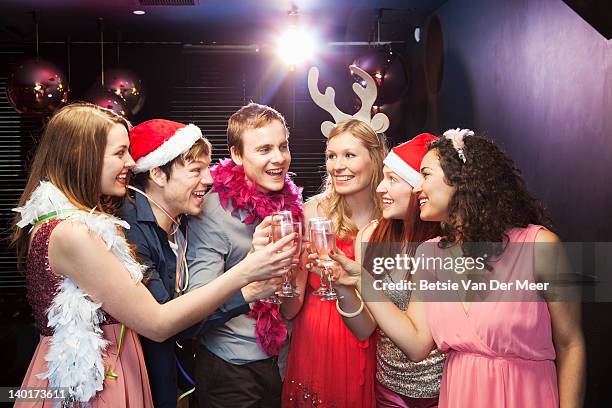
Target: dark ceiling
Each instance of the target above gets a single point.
(208, 21)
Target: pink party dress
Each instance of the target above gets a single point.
(499, 354)
(130, 388)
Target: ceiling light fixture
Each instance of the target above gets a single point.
(296, 45)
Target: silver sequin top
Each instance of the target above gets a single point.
(395, 371)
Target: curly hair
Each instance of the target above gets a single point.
(490, 197)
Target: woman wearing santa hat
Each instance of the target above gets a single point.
(84, 284)
(400, 382)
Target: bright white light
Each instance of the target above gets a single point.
(138, 12)
(295, 46)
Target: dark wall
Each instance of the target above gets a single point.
(537, 79)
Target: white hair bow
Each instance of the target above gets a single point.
(456, 136)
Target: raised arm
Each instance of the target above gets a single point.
(362, 325)
(155, 285)
(408, 330)
(207, 256)
(100, 274)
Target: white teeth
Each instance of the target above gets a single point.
(344, 178)
(423, 201)
(388, 201)
(122, 176)
(199, 193)
(275, 172)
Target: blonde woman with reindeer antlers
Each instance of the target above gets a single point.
(329, 366)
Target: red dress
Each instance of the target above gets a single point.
(328, 366)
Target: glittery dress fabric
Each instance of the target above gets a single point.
(328, 366)
(499, 354)
(130, 388)
(394, 369)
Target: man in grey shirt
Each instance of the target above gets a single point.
(232, 369)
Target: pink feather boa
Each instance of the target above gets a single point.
(230, 183)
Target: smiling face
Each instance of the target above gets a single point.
(395, 194)
(348, 164)
(432, 191)
(117, 162)
(183, 192)
(265, 156)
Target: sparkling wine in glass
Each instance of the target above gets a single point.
(282, 225)
(323, 240)
(323, 287)
(287, 289)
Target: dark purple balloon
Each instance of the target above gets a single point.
(387, 69)
(37, 88)
(107, 100)
(127, 85)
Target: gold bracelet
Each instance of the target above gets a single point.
(349, 315)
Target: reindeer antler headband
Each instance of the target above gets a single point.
(379, 122)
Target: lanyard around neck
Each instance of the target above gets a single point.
(182, 270)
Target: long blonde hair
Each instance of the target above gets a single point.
(70, 155)
(334, 205)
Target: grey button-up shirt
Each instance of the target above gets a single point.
(217, 242)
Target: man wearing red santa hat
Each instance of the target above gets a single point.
(171, 178)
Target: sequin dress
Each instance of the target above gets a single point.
(328, 366)
(130, 388)
(396, 371)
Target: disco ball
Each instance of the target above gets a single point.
(387, 69)
(37, 87)
(105, 99)
(127, 85)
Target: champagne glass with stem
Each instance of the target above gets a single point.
(323, 240)
(282, 225)
(287, 289)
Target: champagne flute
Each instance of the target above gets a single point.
(323, 240)
(282, 225)
(323, 287)
(287, 289)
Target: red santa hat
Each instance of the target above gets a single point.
(405, 159)
(158, 141)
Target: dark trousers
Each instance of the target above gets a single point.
(221, 384)
(161, 367)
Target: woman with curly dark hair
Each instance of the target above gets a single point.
(507, 351)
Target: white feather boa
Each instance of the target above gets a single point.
(75, 357)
